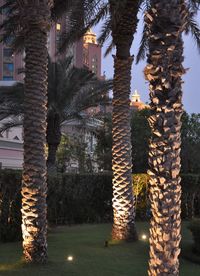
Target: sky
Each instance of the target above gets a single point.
(191, 86)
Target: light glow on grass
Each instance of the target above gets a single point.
(11, 266)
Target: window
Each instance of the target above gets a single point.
(8, 69)
(7, 78)
(9, 40)
(58, 26)
(7, 52)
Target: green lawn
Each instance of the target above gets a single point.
(86, 244)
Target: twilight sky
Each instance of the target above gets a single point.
(191, 90)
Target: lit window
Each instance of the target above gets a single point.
(58, 26)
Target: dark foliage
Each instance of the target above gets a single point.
(82, 198)
(190, 195)
(195, 229)
(79, 198)
(10, 205)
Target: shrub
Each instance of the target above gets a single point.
(76, 198)
(10, 205)
(79, 198)
(190, 195)
(140, 190)
(195, 229)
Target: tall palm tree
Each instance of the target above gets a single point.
(165, 23)
(30, 21)
(70, 91)
(27, 25)
(121, 21)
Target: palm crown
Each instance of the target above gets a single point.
(70, 91)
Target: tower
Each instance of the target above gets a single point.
(136, 103)
(135, 97)
(92, 53)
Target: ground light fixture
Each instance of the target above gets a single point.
(144, 237)
(70, 258)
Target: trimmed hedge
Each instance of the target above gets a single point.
(194, 227)
(10, 205)
(81, 198)
(190, 195)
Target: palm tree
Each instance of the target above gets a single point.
(70, 91)
(165, 23)
(29, 21)
(123, 31)
(121, 21)
(27, 25)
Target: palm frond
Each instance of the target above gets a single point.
(193, 28)
(81, 19)
(194, 4)
(105, 31)
(60, 8)
(109, 48)
(12, 122)
(143, 45)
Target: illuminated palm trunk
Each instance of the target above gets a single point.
(34, 185)
(164, 71)
(123, 199)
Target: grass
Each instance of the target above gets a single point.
(86, 244)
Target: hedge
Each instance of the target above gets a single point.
(81, 198)
(10, 205)
(194, 227)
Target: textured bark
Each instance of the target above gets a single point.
(123, 199)
(166, 21)
(35, 16)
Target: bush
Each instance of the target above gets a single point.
(10, 205)
(190, 195)
(140, 190)
(195, 229)
(79, 198)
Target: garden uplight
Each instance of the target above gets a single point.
(144, 237)
(70, 258)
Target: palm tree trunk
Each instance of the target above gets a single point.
(51, 160)
(164, 71)
(123, 199)
(53, 140)
(34, 186)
